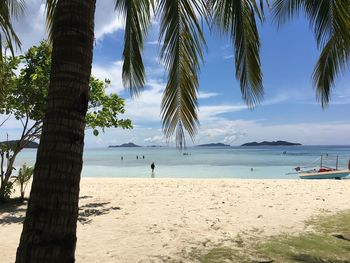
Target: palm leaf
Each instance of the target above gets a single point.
(326, 17)
(16, 7)
(238, 20)
(10, 9)
(137, 14)
(181, 53)
(334, 59)
(50, 15)
(330, 21)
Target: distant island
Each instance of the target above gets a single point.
(130, 144)
(214, 145)
(273, 143)
(30, 145)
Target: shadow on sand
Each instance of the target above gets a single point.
(310, 259)
(87, 211)
(15, 211)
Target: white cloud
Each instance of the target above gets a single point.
(241, 131)
(155, 139)
(111, 71)
(31, 27)
(154, 43)
(229, 139)
(228, 56)
(235, 133)
(207, 95)
(210, 111)
(146, 107)
(107, 21)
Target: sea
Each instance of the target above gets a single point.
(276, 162)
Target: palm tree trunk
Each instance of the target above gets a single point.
(22, 192)
(49, 230)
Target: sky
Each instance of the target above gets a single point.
(289, 111)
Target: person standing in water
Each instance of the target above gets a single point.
(152, 167)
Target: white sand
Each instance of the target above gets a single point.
(169, 217)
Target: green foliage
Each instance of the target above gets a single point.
(25, 173)
(6, 190)
(8, 66)
(24, 98)
(237, 19)
(137, 14)
(27, 97)
(182, 38)
(103, 109)
(181, 54)
(26, 94)
(222, 255)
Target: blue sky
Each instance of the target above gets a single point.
(289, 111)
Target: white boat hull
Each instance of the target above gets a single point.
(325, 175)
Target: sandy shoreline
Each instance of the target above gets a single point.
(147, 220)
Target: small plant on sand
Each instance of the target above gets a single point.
(25, 173)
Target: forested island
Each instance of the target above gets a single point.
(273, 143)
(30, 145)
(130, 144)
(214, 145)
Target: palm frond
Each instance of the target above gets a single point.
(238, 20)
(330, 21)
(50, 16)
(334, 60)
(137, 15)
(325, 17)
(181, 53)
(16, 7)
(10, 9)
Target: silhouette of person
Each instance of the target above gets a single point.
(121, 158)
(152, 167)
(137, 157)
(143, 157)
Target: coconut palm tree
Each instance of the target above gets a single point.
(330, 21)
(49, 230)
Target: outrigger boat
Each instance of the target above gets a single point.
(323, 172)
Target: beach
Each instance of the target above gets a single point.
(159, 220)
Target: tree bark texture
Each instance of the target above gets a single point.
(49, 229)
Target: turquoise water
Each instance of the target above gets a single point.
(226, 162)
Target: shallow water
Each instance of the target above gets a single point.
(209, 162)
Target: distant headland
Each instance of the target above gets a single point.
(30, 145)
(130, 144)
(273, 143)
(214, 145)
